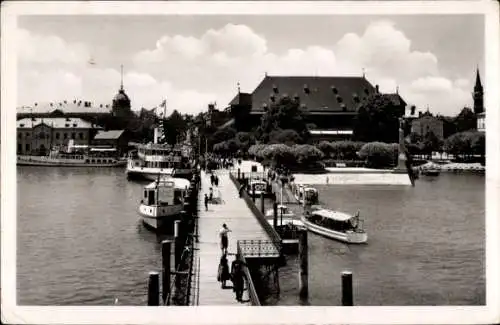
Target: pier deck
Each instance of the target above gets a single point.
(234, 212)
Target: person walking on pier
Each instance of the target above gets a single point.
(237, 277)
(223, 272)
(206, 202)
(224, 238)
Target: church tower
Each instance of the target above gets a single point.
(121, 103)
(478, 95)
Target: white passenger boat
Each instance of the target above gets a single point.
(303, 192)
(89, 157)
(150, 160)
(260, 187)
(335, 225)
(163, 202)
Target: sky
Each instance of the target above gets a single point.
(195, 60)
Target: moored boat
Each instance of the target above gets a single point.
(89, 157)
(304, 193)
(260, 187)
(431, 172)
(335, 225)
(163, 203)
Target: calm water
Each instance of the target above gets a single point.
(80, 242)
(426, 246)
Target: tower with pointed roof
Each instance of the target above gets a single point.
(478, 95)
(121, 103)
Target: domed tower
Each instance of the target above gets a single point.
(121, 102)
(478, 95)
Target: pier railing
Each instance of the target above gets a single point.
(252, 292)
(275, 237)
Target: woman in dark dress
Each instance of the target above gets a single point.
(223, 273)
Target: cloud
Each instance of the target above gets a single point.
(194, 70)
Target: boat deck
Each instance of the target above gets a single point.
(254, 241)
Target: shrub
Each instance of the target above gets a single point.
(377, 154)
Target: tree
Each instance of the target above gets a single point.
(377, 119)
(285, 114)
(306, 154)
(378, 154)
(465, 120)
(431, 143)
(224, 134)
(288, 137)
(174, 128)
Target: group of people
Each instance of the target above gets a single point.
(236, 275)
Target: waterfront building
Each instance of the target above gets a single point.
(85, 110)
(329, 103)
(36, 136)
(427, 123)
(116, 139)
(478, 96)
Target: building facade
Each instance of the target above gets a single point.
(329, 103)
(478, 96)
(116, 139)
(36, 136)
(427, 123)
(85, 110)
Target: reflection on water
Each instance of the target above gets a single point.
(80, 242)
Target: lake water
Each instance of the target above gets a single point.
(80, 242)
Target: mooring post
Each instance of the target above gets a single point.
(347, 298)
(166, 250)
(178, 243)
(154, 289)
(262, 202)
(275, 215)
(304, 266)
(253, 193)
(239, 172)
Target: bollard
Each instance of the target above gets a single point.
(275, 215)
(262, 203)
(166, 247)
(304, 266)
(253, 193)
(243, 177)
(347, 298)
(154, 289)
(239, 174)
(178, 243)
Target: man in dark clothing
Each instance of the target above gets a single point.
(237, 276)
(206, 202)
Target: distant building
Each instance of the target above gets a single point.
(39, 135)
(121, 103)
(329, 103)
(72, 109)
(116, 139)
(478, 96)
(426, 123)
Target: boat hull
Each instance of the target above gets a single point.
(160, 219)
(55, 162)
(145, 173)
(346, 237)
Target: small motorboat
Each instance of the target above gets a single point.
(335, 225)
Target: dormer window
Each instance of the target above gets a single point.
(264, 106)
(74, 101)
(306, 89)
(21, 125)
(68, 119)
(75, 125)
(366, 91)
(36, 104)
(66, 125)
(334, 90)
(275, 89)
(344, 108)
(339, 99)
(296, 97)
(273, 98)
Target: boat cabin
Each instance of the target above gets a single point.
(159, 156)
(259, 185)
(333, 220)
(306, 195)
(165, 192)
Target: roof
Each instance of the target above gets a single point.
(331, 132)
(325, 94)
(68, 107)
(121, 96)
(397, 99)
(56, 123)
(335, 215)
(179, 183)
(106, 135)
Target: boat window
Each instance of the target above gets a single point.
(177, 197)
(145, 194)
(151, 197)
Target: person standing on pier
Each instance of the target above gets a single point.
(224, 238)
(206, 202)
(223, 272)
(237, 277)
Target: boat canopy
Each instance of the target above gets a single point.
(333, 215)
(178, 183)
(103, 149)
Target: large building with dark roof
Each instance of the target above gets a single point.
(329, 103)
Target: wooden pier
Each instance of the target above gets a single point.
(247, 236)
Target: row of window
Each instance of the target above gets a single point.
(42, 135)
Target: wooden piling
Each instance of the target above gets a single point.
(304, 266)
(262, 203)
(347, 298)
(166, 249)
(154, 289)
(253, 193)
(239, 174)
(178, 247)
(275, 214)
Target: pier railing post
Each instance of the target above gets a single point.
(304, 266)
(154, 289)
(239, 172)
(347, 298)
(262, 203)
(253, 193)
(275, 215)
(166, 249)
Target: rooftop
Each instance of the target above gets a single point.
(107, 135)
(74, 106)
(56, 122)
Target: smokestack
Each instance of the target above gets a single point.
(376, 89)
